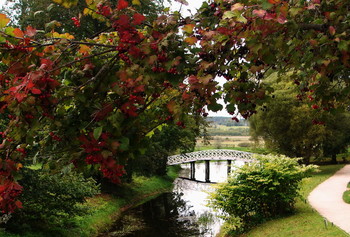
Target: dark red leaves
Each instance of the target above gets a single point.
(314, 106)
(101, 152)
(122, 4)
(129, 109)
(123, 22)
(138, 18)
(36, 91)
(9, 191)
(104, 10)
(102, 113)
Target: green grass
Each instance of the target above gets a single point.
(105, 209)
(306, 222)
(222, 130)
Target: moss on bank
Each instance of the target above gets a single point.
(104, 209)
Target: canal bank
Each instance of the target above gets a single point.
(110, 208)
(105, 209)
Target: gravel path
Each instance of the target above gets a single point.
(327, 199)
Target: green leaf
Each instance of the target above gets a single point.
(215, 107)
(228, 15)
(9, 31)
(266, 5)
(124, 143)
(242, 19)
(231, 108)
(97, 132)
(231, 14)
(143, 150)
(295, 11)
(343, 45)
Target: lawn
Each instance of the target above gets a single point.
(306, 222)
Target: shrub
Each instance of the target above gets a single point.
(244, 144)
(50, 199)
(261, 190)
(346, 196)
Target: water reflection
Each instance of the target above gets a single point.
(182, 213)
(168, 216)
(218, 170)
(195, 195)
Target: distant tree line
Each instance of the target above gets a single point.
(226, 121)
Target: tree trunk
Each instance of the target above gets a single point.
(334, 159)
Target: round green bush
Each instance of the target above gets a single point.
(50, 200)
(260, 190)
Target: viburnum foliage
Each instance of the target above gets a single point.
(97, 100)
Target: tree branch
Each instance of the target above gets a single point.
(98, 73)
(308, 26)
(81, 59)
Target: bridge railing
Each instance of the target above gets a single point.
(222, 154)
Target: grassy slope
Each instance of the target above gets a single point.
(106, 208)
(306, 222)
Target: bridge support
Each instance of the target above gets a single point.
(193, 170)
(229, 162)
(207, 171)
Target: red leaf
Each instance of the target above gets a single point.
(3, 188)
(129, 109)
(46, 64)
(138, 18)
(18, 33)
(53, 84)
(36, 91)
(331, 30)
(140, 88)
(30, 31)
(260, 13)
(269, 16)
(18, 204)
(281, 19)
(122, 4)
(193, 79)
(123, 21)
(20, 97)
(30, 85)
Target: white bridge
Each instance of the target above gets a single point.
(207, 156)
(221, 154)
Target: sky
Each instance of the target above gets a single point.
(193, 5)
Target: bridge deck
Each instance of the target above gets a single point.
(221, 154)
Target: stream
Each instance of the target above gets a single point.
(180, 213)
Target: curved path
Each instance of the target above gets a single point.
(327, 199)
